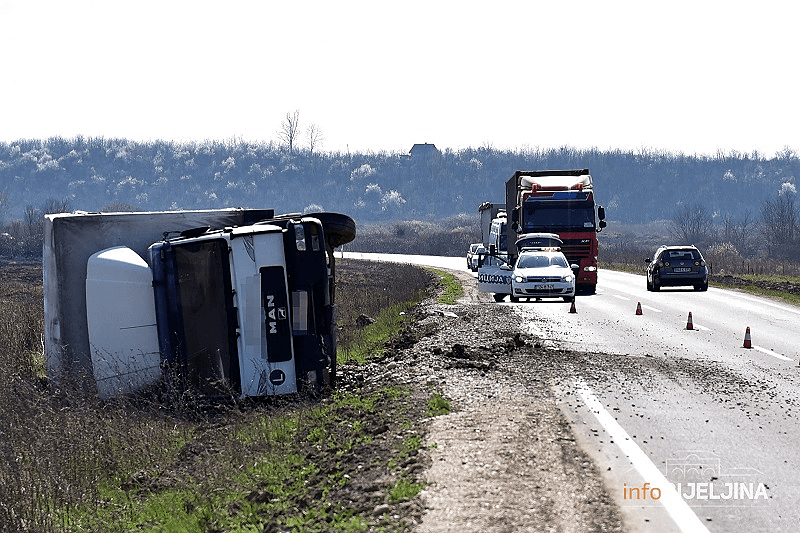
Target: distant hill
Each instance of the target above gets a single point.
(424, 184)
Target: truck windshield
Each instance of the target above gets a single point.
(561, 216)
(203, 272)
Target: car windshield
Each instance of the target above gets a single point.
(680, 255)
(541, 261)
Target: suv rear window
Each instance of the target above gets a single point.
(677, 255)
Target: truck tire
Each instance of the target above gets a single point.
(339, 229)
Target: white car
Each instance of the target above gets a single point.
(472, 256)
(542, 273)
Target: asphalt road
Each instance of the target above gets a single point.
(694, 431)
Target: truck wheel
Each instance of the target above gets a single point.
(339, 229)
(656, 285)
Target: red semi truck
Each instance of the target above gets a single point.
(560, 202)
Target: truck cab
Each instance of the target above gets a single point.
(560, 202)
(242, 311)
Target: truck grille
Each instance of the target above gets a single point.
(576, 248)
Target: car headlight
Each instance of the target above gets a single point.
(519, 279)
(568, 278)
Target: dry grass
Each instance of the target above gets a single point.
(384, 291)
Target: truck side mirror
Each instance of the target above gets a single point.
(602, 224)
(601, 213)
(515, 215)
(492, 249)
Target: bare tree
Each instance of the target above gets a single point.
(739, 232)
(314, 137)
(31, 234)
(290, 129)
(693, 224)
(779, 219)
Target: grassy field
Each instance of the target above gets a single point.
(72, 463)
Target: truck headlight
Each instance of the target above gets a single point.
(589, 268)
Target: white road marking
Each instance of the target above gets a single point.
(773, 354)
(764, 301)
(651, 308)
(621, 297)
(676, 507)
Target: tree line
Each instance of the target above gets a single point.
(93, 174)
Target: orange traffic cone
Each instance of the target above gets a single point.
(747, 341)
(572, 307)
(689, 324)
(639, 308)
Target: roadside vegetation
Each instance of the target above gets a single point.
(452, 289)
(72, 463)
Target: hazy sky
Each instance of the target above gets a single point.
(693, 76)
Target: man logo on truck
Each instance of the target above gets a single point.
(273, 313)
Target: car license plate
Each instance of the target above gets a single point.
(543, 287)
(681, 269)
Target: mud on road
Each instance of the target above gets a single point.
(505, 458)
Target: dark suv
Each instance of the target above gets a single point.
(675, 266)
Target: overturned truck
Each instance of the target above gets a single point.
(222, 302)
